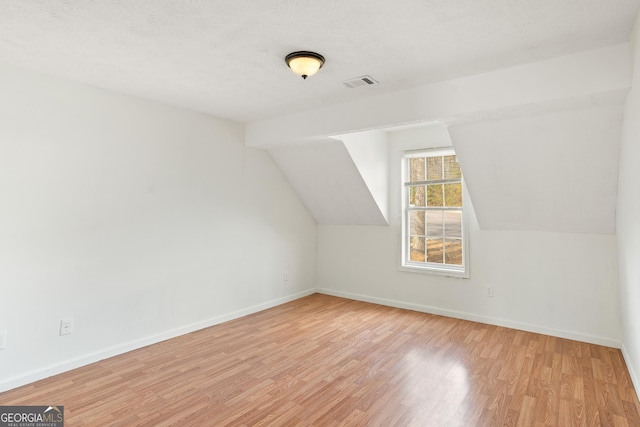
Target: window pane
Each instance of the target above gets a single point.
(416, 249)
(451, 168)
(433, 212)
(434, 250)
(453, 224)
(416, 169)
(417, 223)
(434, 168)
(453, 194)
(453, 252)
(417, 195)
(434, 224)
(434, 195)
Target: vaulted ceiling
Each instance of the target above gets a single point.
(513, 79)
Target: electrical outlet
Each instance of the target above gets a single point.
(488, 291)
(3, 340)
(66, 326)
(285, 276)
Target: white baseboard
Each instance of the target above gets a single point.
(608, 342)
(635, 379)
(14, 382)
(58, 368)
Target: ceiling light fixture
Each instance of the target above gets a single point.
(304, 63)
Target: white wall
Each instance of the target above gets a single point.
(370, 154)
(138, 220)
(628, 217)
(556, 283)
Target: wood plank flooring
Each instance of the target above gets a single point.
(329, 361)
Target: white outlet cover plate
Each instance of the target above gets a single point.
(66, 326)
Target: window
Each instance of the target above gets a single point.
(433, 220)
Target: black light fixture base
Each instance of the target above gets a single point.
(304, 53)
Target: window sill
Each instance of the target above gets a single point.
(438, 271)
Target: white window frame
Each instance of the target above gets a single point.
(426, 267)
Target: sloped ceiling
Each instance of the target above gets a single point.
(570, 81)
(548, 172)
(538, 143)
(325, 177)
(370, 154)
(502, 70)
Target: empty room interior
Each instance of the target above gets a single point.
(321, 213)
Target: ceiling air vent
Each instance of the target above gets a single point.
(360, 81)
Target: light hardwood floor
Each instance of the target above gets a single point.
(329, 361)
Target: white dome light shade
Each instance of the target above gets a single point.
(304, 63)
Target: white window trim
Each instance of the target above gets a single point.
(433, 268)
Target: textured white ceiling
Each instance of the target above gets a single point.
(225, 57)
